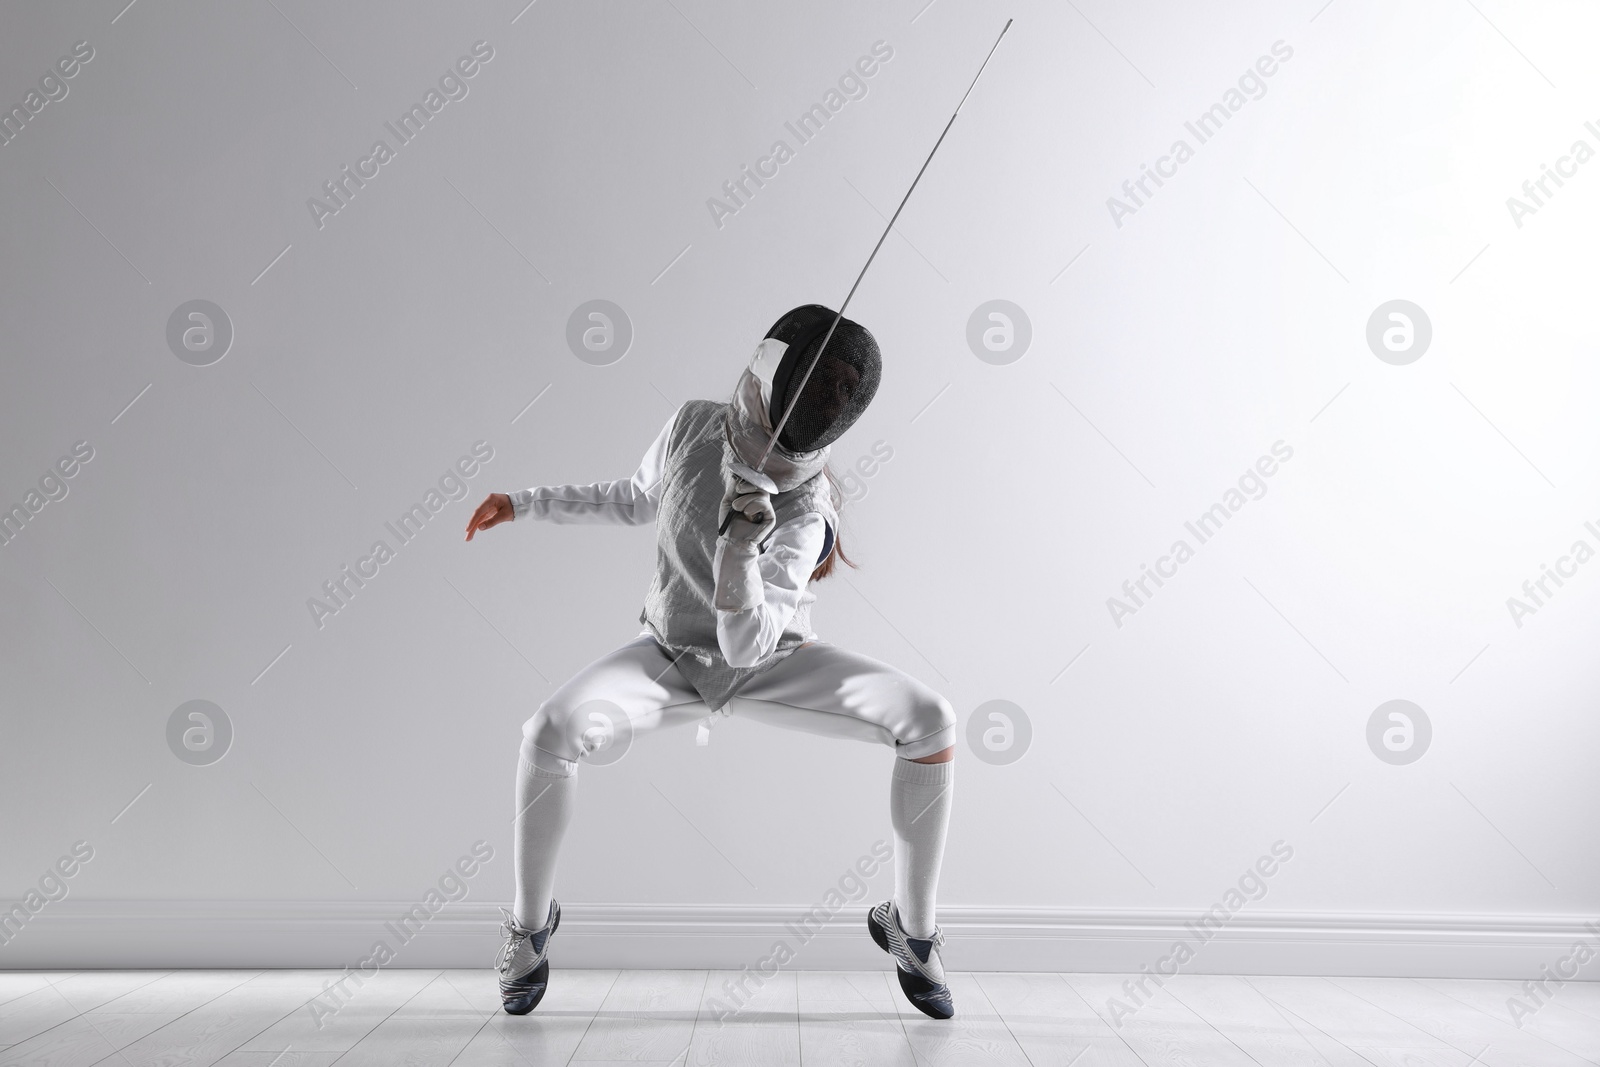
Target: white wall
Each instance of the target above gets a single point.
(1228, 313)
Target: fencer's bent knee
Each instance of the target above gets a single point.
(552, 740)
(551, 729)
(934, 715)
(931, 726)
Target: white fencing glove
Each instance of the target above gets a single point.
(746, 519)
(747, 515)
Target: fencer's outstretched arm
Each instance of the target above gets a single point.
(765, 586)
(629, 503)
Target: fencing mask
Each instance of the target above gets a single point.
(840, 387)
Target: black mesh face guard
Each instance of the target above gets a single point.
(840, 387)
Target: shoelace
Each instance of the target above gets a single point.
(515, 935)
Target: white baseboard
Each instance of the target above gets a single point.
(76, 934)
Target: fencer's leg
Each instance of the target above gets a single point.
(637, 681)
(920, 795)
(546, 797)
(868, 698)
(858, 696)
(919, 806)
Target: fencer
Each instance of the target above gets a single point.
(727, 631)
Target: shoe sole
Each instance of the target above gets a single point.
(541, 974)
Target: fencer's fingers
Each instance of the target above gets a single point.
(480, 518)
(754, 509)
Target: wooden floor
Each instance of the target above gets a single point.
(420, 1017)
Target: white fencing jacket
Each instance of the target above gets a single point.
(683, 471)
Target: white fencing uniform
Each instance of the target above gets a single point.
(694, 661)
(655, 680)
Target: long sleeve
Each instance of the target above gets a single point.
(783, 570)
(629, 503)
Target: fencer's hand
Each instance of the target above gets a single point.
(752, 515)
(746, 519)
(495, 509)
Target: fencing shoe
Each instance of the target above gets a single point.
(916, 961)
(524, 963)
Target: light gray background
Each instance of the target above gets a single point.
(1228, 313)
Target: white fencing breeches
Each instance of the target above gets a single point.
(819, 688)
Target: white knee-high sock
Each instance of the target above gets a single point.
(919, 807)
(544, 809)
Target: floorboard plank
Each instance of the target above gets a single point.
(280, 1059)
(647, 1015)
(1554, 1021)
(176, 992)
(1160, 1030)
(1576, 998)
(1495, 1041)
(208, 1033)
(429, 1030)
(1581, 996)
(1264, 1031)
(82, 1039)
(34, 1013)
(1342, 1015)
(1417, 1057)
(848, 1019)
(753, 1023)
(16, 984)
(550, 1034)
(1051, 1022)
(94, 989)
(332, 1023)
